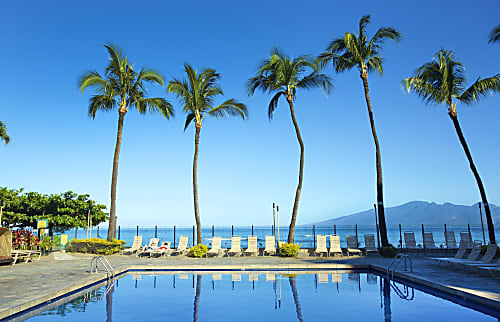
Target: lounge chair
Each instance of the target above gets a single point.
(323, 278)
(321, 246)
(252, 246)
(151, 248)
(136, 246)
(236, 277)
(164, 249)
(352, 246)
(253, 277)
(235, 246)
(20, 255)
(216, 277)
(216, 250)
(270, 247)
(336, 277)
(181, 247)
(488, 256)
(473, 256)
(451, 242)
(462, 249)
(493, 269)
(370, 244)
(270, 277)
(335, 246)
(465, 236)
(410, 242)
(429, 241)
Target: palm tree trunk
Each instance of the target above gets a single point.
(489, 221)
(295, 293)
(380, 191)
(114, 179)
(195, 185)
(197, 294)
(291, 231)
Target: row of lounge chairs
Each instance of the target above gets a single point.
(155, 249)
(428, 240)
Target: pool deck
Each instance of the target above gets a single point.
(26, 285)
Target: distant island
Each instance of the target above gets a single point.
(420, 212)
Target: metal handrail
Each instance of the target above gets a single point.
(396, 261)
(107, 266)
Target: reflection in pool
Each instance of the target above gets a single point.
(257, 296)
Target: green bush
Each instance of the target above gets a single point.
(388, 251)
(289, 250)
(95, 246)
(483, 251)
(46, 243)
(198, 251)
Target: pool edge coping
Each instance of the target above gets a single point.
(97, 278)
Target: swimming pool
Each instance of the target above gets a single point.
(255, 296)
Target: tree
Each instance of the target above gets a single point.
(197, 93)
(495, 35)
(122, 87)
(442, 81)
(358, 51)
(281, 75)
(3, 133)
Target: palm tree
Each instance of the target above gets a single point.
(3, 133)
(358, 51)
(281, 75)
(442, 81)
(197, 93)
(122, 87)
(495, 35)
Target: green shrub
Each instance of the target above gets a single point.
(289, 250)
(388, 251)
(483, 251)
(198, 251)
(95, 246)
(46, 243)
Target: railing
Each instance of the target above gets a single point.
(110, 273)
(396, 261)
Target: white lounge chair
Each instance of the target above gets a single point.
(451, 242)
(370, 244)
(216, 247)
(321, 245)
(181, 247)
(335, 246)
(462, 249)
(236, 277)
(336, 277)
(410, 242)
(270, 247)
(429, 241)
(253, 277)
(252, 246)
(21, 255)
(323, 278)
(473, 256)
(352, 246)
(465, 236)
(488, 256)
(136, 246)
(235, 246)
(151, 248)
(164, 249)
(270, 277)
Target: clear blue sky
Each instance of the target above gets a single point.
(243, 166)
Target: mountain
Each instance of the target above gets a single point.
(420, 212)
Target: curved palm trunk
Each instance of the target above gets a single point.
(295, 293)
(114, 179)
(196, 304)
(195, 185)
(380, 192)
(291, 231)
(489, 221)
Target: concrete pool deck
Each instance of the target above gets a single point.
(26, 285)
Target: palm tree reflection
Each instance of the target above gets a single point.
(197, 298)
(293, 286)
(386, 291)
(109, 305)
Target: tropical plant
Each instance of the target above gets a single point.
(358, 51)
(281, 75)
(198, 251)
(442, 81)
(197, 93)
(122, 87)
(495, 35)
(289, 250)
(3, 133)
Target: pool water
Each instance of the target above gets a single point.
(257, 296)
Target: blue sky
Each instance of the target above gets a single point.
(243, 166)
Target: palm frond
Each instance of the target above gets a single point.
(495, 35)
(481, 88)
(424, 89)
(273, 104)
(92, 79)
(189, 118)
(231, 107)
(102, 103)
(154, 105)
(3, 133)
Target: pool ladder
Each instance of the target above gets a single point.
(110, 273)
(396, 261)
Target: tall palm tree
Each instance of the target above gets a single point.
(495, 35)
(197, 93)
(3, 133)
(442, 81)
(121, 87)
(281, 75)
(358, 51)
